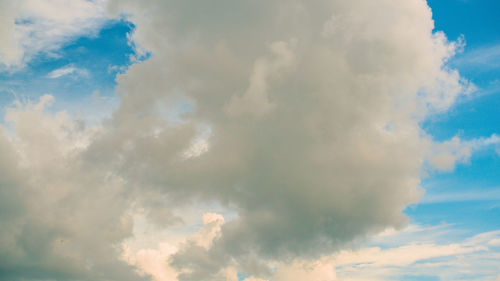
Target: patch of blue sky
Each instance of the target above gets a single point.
(477, 20)
(470, 118)
(418, 278)
(242, 277)
(82, 72)
(471, 217)
(479, 23)
(481, 173)
(469, 197)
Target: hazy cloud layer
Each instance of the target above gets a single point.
(299, 117)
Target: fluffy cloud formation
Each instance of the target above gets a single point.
(301, 118)
(154, 261)
(313, 110)
(61, 218)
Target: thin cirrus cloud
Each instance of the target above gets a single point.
(485, 58)
(67, 70)
(491, 194)
(303, 127)
(475, 256)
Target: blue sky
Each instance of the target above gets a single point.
(93, 61)
(459, 206)
(471, 117)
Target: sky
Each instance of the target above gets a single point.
(249, 141)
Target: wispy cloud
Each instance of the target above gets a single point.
(67, 70)
(485, 58)
(30, 27)
(476, 195)
(472, 258)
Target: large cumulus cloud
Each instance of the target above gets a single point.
(302, 117)
(312, 108)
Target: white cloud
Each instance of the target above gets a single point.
(469, 259)
(67, 70)
(445, 155)
(485, 58)
(47, 136)
(314, 141)
(255, 100)
(50, 146)
(154, 261)
(318, 271)
(52, 225)
(212, 226)
(9, 49)
(463, 260)
(403, 256)
(313, 112)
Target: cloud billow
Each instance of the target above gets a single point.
(313, 110)
(302, 117)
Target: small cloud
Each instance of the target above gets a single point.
(116, 69)
(67, 70)
(446, 155)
